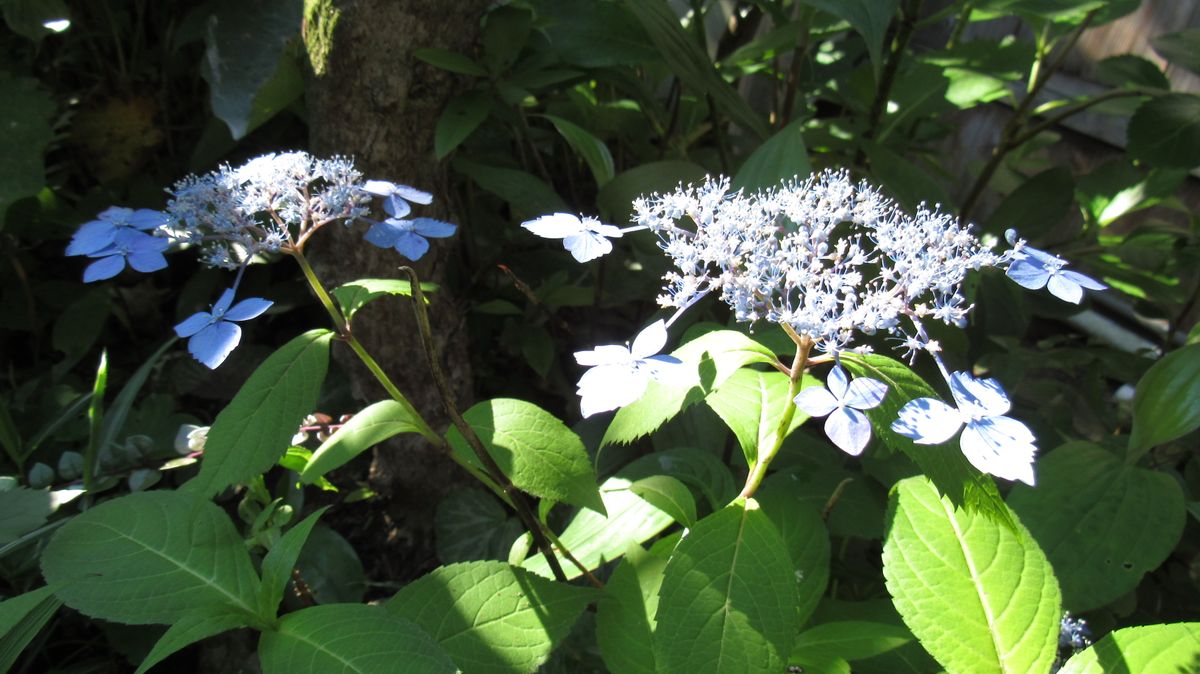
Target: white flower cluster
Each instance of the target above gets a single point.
(236, 213)
(826, 256)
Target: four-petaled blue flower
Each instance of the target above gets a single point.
(846, 426)
(992, 442)
(96, 235)
(213, 335)
(396, 197)
(619, 374)
(409, 237)
(586, 238)
(1034, 269)
(139, 250)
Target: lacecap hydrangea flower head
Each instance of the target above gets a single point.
(828, 259)
(271, 204)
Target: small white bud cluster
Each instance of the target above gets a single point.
(826, 256)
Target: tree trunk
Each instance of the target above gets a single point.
(370, 98)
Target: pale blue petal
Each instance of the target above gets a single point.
(396, 207)
(609, 387)
(435, 229)
(927, 421)
(849, 430)
(382, 234)
(554, 226)
(379, 187)
(193, 324)
(837, 382)
(865, 393)
(92, 237)
(611, 231)
(666, 369)
(606, 354)
(586, 246)
(223, 303)
(1028, 274)
(104, 268)
(214, 343)
(1064, 289)
(650, 340)
(1047, 260)
(816, 401)
(147, 261)
(978, 397)
(414, 195)
(411, 245)
(145, 218)
(251, 307)
(1082, 280)
(1000, 446)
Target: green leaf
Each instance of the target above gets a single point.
(245, 49)
(595, 539)
(25, 116)
(1037, 205)
(1181, 48)
(151, 557)
(525, 193)
(849, 640)
(590, 148)
(1169, 648)
(1102, 524)
(1165, 131)
(452, 61)
(689, 62)
(728, 598)
(349, 638)
(944, 464)
(714, 357)
(595, 34)
(781, 158)
(625, 616)
(505, 32)
(193, 626)
(805, 537)
(668, 495)
(331, 568)
(1128, 70)
(869, 18)
(463, 114)
(114, 420)
(534, 449)
(752, 403)
(1167, 402)
(355, 295)
(979, 595)
(21, 618)
(470, 524)
(492, 617)
(31, 19)
(904, 178)
(373, 425)
(694, 467)
(615, 199)
(257, 426)
(279, 563)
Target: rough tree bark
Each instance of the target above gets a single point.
(370, 98)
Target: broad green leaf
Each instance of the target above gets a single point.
(594, 539)
(33, 19)
(463, 114)
(257, 426)
(615, 199)
(22, 510)
(331, 568)
(452, 61)
(349, 638)
(534, 449)
(1181, 48)
(869, 18)
(196, 625)
(25, 115)
(1173, 648)
(151, 557)
(1102, 523)
(1165, 131)
(944, 464)
(245, 49)
(694, 467)
(526, 193)
(979, 595)
(625, 616)
(278, 564)
(505, 31)
(1037, 206)
(595, 34)
(471, 524)
(781, 158)
(849, 640)
(1128, 70)
(355, 295)
(22, 617)
(593, 150)
(492, 617)
(692, 65)
(373, 425)
(668, 495)
(1167, 402)
(904, 178)
(728, 597)
(805, 538)
(712, 357)
(752, 404)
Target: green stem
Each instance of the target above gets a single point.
(759, 470)
(95, 417)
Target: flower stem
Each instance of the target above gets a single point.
(758, 471)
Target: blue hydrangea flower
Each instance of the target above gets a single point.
(847, 427)
(619, 374)
(586, 238)
(993, 443)
(96, 235)
(1034, 269)
(397, 198)
(213, 336)
(409, 237)
(139, 250)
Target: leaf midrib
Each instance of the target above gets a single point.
(980, 591)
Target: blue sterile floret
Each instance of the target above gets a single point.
(410, 238)
(213, 335)
(843, 402)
